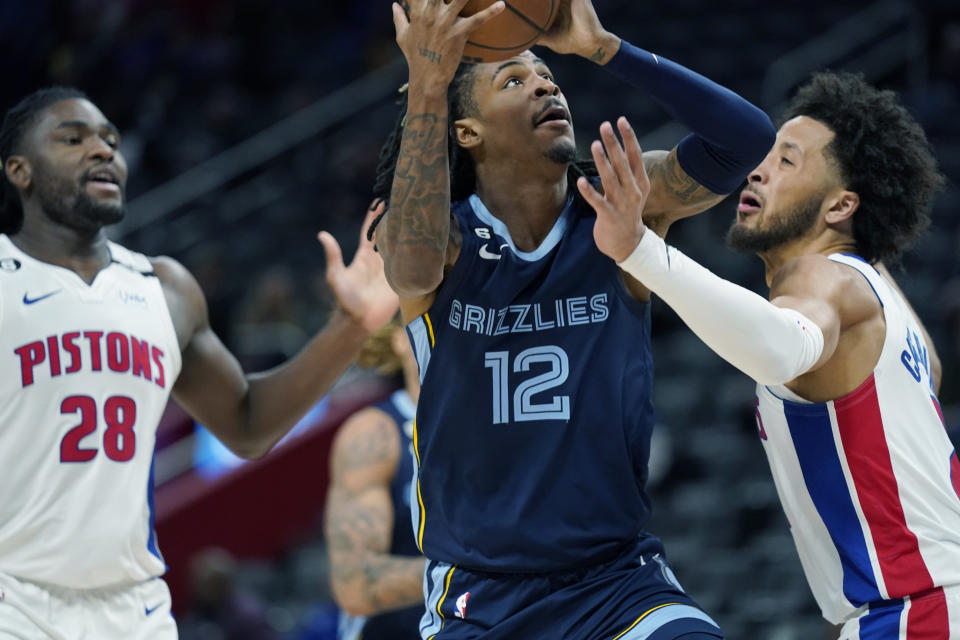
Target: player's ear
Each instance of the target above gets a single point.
(840, 206)
(468, 132)
(19, 172)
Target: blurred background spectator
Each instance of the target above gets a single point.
(249, 126)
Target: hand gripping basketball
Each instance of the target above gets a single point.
(432, 36)
(577, 30)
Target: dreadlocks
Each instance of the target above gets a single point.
(463, 174)
(16, 124)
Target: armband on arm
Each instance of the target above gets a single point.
(771, 344)
(730, 136)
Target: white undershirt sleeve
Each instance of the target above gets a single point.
(771, 344)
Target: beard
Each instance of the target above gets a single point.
(564, 152)
(793, 224)
(69, 204)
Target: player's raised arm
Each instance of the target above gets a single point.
(772, 342)
(730, 135)
(414, 236)
(251, 412)
(365, 577)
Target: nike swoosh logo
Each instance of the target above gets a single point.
(148, 610)
(486, 254)
(28, 300)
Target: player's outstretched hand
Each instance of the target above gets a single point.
(361, 288)
(619, 208)
(577, 29)
(432, 35)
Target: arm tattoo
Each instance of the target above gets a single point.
(667, 175)
(420, 199)
(598, 56)
(360, 453)
(385, 581)
(359, 520)
(432, 56)
(673, 193)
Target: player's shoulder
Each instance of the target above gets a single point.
(173, 275)
(367, 439)
(185, 299)
(816, 275)
(129, 258)
(368, 423)
(819, 270)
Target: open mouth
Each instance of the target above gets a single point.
(105, 179)
(749, 203)
(103, 176)
(556, 116)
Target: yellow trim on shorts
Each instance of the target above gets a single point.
(433, 341)
(446, 588)
(423, 515)
(645, 614)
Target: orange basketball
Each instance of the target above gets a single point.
(516, 28)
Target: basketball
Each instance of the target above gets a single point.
(517, 27)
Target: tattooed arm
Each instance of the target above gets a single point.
(415, 234)
(673, 194)
(366, 579)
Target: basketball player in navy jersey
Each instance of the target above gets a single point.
(847, 376)
(534, 422)
(94, 338)
(376, 569)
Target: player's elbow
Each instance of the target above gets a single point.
(758, 144)
(773, 377)
(413, 279)
(251, 452)
(353, 599)
(754, 135)
(249, 447)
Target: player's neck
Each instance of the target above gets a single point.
(824, 244)
(83, 252)
(529, 203)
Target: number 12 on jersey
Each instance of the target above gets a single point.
(524, 407)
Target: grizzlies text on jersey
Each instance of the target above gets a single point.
(535, 415)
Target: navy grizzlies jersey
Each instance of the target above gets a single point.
(534, 419)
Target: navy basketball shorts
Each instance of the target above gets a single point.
(634, 596)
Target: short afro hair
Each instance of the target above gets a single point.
(881, 153)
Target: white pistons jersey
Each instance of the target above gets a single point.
(87, 370)
(870, 482)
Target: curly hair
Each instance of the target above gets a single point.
(16, 124)
(461, 103)
(881, 153)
